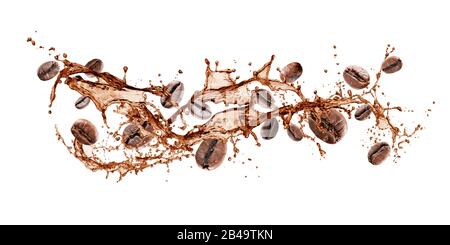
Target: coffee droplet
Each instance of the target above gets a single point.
(378, 153)
(174, 93)
(211, 153)
(295, 132)
(263, 98)
(362, 113)
(48, 70)
(200, 109)
(84, 132)
(95, 65)
(330, 127)
(291, 72)
(392, 64)
(269, 129)
(356, 76)
(82, 102)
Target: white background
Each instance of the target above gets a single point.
(40, 183)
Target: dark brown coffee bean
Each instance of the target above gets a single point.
(378, 153)
(84, 132)
(295, 132)
(269, 129)
(356, 76)
(363, 112)
(147, 126)
(200, 109)
(48, 70)
(331, 127)
(210, 153)
(95, 65)
(174, 91)
(291, 72)
(392, 64)
(82, 102)
(263, 98)
(132, 136)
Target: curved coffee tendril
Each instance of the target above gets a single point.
(164, 145)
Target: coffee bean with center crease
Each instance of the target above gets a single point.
(200, 109)
(84, 132)
(269, 129)
(174, 92)
(211, 153)
(356, 76)
(378, 153)
(392, 64)
(48, 70)
(263, 98)
(362, 112)
(291, 72)
(330, 127)
(82, 102)
(147, 126)
(295, 132)
(132, 136)
(95, 65)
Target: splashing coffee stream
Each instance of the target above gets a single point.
(219, 87)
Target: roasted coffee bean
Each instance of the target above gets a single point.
(378, 153)
(147, 126)
(356, 76)
(132, 136)
(291, 72)
(210, 153)
(363, 112)
(84, 132)
(200, 109)
(269, 129)
(82, 102)
(295, 132)
(331, 127)
(95, 65)
(48, 70)
(392, 64)
(174, 91)
(263, 98)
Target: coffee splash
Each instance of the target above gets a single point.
(154, 140)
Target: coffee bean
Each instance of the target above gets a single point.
(331, 127)
(363, 112)
(174, 91)
(84, 132)
(392, 64)
(269, 129)
(263, 98)
(147, 126)
(378, 153)
(356, 76)
(200, 109)
(291, 72)
(82, 102)
(95, 65)
(132, 136)
(48, 70)
(210, 153)
(295, 132)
